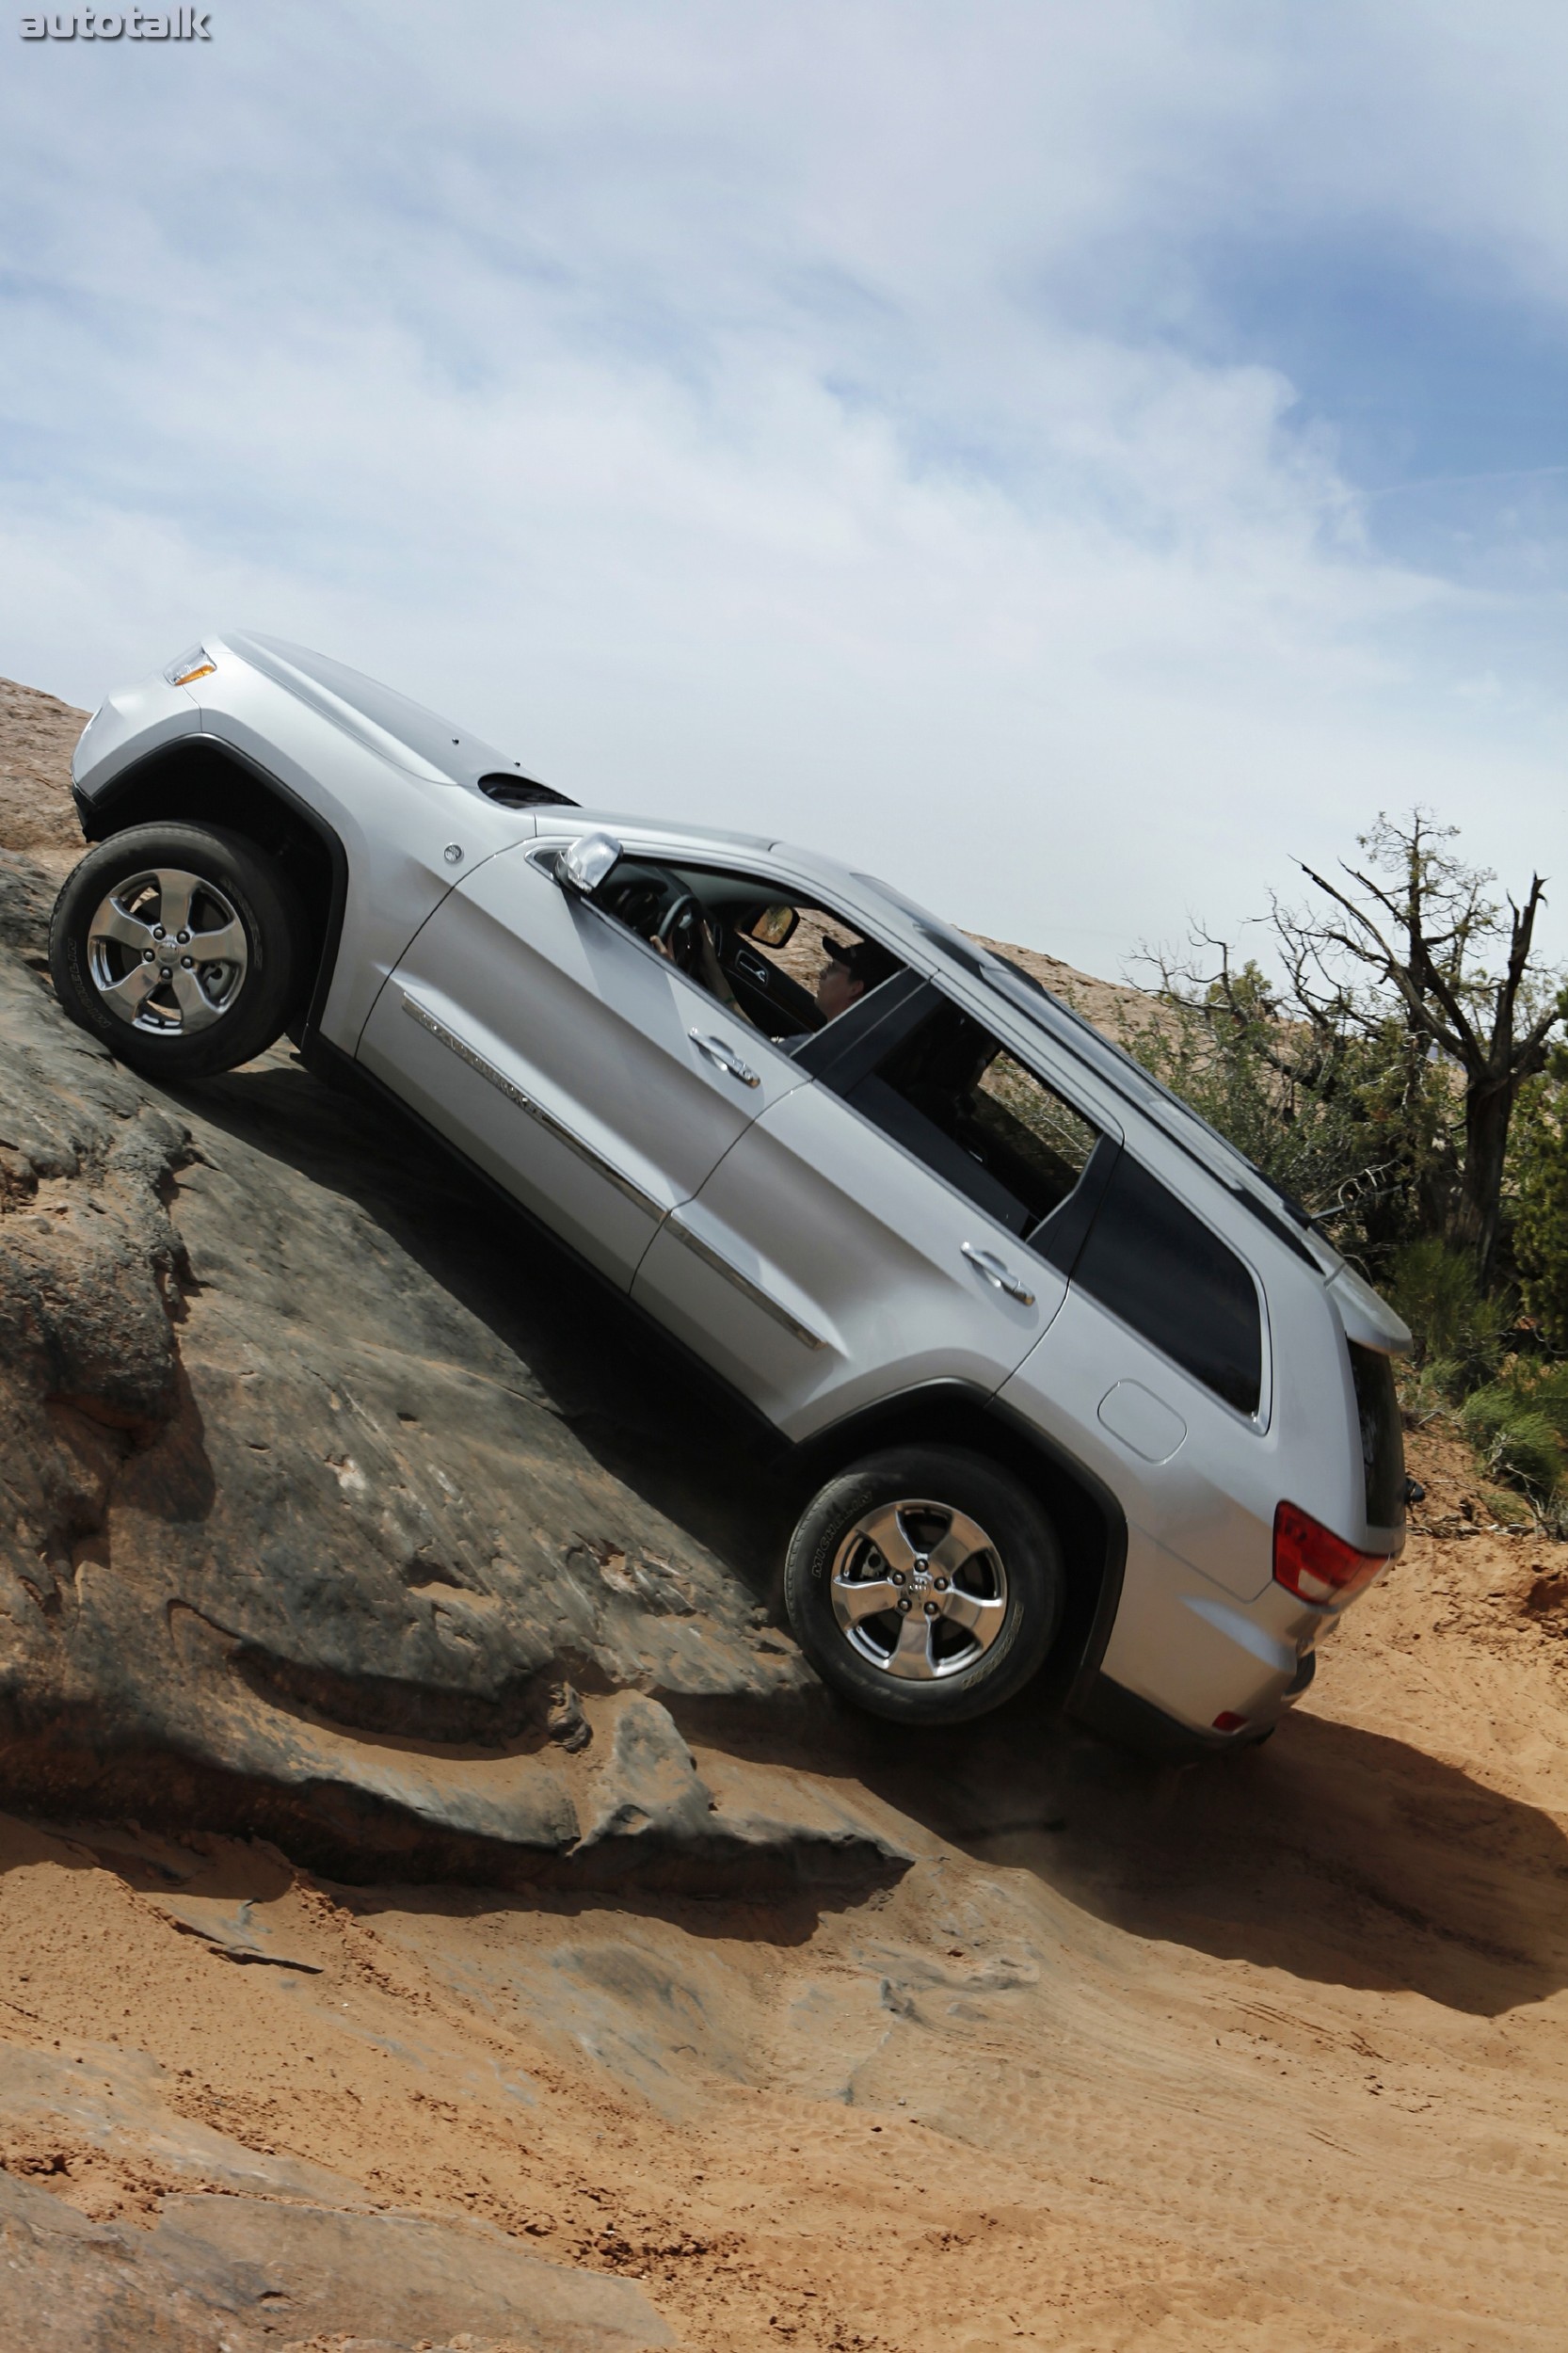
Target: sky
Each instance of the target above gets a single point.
(1074, 461)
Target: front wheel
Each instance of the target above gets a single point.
(924, 1584)
(180, 947)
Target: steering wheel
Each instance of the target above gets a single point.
(681, 931)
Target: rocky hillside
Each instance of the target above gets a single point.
(440, 1909)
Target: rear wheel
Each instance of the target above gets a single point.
(926, 1584)
(179, 946)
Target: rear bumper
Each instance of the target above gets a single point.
(1191, 1654)
(1117, 1714)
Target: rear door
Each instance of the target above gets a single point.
(569, 1059)
(909, 1216)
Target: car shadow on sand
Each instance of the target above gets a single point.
(1332, 1853)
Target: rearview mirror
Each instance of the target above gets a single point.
(586, 862)
(773, 927)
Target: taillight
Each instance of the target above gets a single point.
(1312, 1561)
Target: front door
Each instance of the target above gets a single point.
(571, 1060)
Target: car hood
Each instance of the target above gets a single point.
(417, 741)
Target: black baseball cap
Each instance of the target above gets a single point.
(864, 960)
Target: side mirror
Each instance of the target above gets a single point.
(773, 927)
(586, 862)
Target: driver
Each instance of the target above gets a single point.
(852, 969)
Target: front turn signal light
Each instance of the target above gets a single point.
(190, 666)
(1314, 1564)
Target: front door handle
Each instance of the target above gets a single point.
(726, 1057)
(995, 1272)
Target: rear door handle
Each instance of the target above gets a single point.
(995, 1272)
(726, 1059)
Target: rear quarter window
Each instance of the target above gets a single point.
(1163, 1271)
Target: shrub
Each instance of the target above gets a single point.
(1425, 1389)
(1541, 1211)
(1514, 1440)
(1347, 1118)
(1437, 1291)
(1548, 1394)
(1541, 1389)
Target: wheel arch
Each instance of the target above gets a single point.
(1085, 1513)
(202, 781)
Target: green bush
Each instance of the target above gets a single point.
(1349, 1120)
(1432, 1387)
(1541, 1389)
(1548, 1394)
(1514, 1440)
(1513, 1509)
(1451, 1320)
(1539, 1157)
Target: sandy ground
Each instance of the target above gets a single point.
(1275, 2052)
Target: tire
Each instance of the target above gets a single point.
(987, 1625)
(188, 1017)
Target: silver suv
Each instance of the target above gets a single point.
(1073, 1386)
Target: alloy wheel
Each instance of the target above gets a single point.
(166, 952)
(919, 1589)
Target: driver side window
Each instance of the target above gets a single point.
(788, 967)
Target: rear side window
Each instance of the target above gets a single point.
(1377, 1406)
(951, 1093)
(1161, 1268)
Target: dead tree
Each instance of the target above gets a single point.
(1421, 926)
(1415, 958)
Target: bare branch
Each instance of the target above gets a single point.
(1455, 1036)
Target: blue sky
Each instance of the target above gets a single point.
(1074, 461)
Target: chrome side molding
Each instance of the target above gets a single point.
(547, 1120)
(743, 1283)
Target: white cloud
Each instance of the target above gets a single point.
(678, 394)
